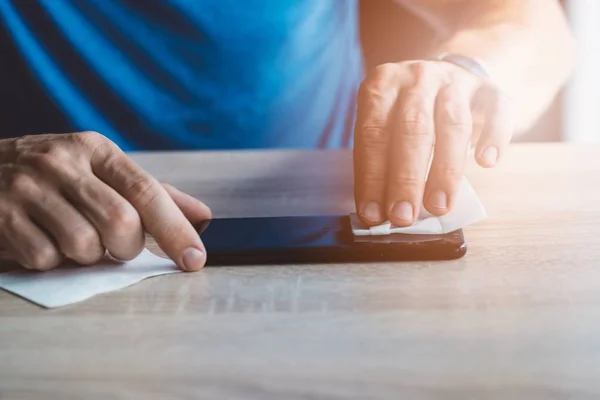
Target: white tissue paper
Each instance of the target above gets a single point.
(72, 283)
(467, 210)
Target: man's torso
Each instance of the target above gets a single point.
(182, 74)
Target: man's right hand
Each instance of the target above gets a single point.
(78, 195)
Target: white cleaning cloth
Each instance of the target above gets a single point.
(72, 283)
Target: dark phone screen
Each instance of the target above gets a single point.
(241, 234)
(316, 238)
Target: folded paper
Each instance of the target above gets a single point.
(467, 210)
(72, 283)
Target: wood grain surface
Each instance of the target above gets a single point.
(517, 318)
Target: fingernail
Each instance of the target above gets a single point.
(438, 199)
(193, 259)
(403, 211)
(371, 211)
(490, 156)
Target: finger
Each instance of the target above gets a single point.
(453, 125)
(25, 241)
(114, 218)
(159, 214)
(75, 236)
(194, 210)
(498, 129)
(117, 221)
(478, 115)
(412, 142)
(376, 100)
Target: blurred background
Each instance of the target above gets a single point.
(575, 114)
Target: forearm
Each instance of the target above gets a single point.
(526, 45)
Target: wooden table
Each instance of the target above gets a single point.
(517, 318)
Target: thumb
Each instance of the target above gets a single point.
(193, 209)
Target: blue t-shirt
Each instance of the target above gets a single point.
(182, 74)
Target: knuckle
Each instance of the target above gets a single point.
(95, 142)
(114, 163)
(373, 136)
(373, 177)
(9, 217)
(123, 220)
(414, 119)
(380, 81)
(38, 253)
(404, 181)
(385, 72)
(417, 96)
(449, 172)
(84, 240)
(53, 160)
(372, 169)
(374, 98)
(413, 114)
(22, 183)
(421, 69)
(44, 257)
(91, 137)
(143, 191)
(141, 188)
(58, 153)
(417, 133)
(455, 113)
(375, 101)
(404, 186)
(377, 94)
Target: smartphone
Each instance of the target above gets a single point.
(316, 239)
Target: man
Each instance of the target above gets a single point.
(188, 74)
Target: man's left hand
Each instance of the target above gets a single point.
(409, 112)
